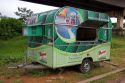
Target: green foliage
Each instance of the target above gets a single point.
(23, 13)
(0, 14)
(9, 28)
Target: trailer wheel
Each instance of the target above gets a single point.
(86, 66)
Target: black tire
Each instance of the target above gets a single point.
(85, 66)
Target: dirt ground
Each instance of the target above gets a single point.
(50, 79)
(54, 78)
(70, 75)
(26, 79)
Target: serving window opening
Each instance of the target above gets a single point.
(86, 34)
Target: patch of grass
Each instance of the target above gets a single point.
(115, 78)
(38, 73)
(118, 57)
(118, 50)
(118, 42)
(18, 81)
(8, 73)
(78, 76)
(12, 51)
(1, 81)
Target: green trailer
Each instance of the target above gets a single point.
(68, 36)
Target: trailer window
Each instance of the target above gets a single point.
(35, 41)
(86, 34)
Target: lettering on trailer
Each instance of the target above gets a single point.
(102, 53)
(42, 55)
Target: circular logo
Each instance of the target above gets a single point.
(66, 22)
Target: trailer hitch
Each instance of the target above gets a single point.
(29, 66)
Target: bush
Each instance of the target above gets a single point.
(10, 27)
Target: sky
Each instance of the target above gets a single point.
(8, 7)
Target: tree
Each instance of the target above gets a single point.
(0, 14)
(23, 13)
(10, 27)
